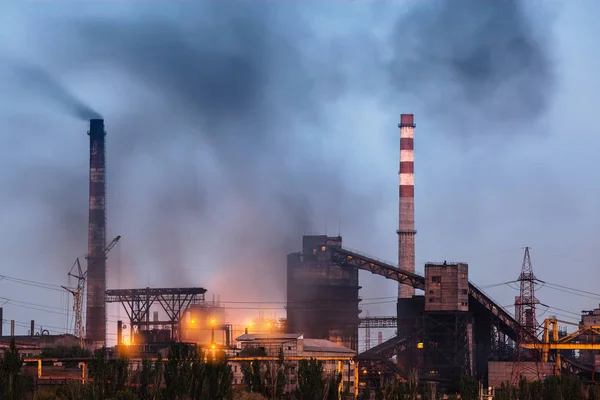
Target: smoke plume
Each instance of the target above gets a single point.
(237, 151)
(480, 57)
(39, 80)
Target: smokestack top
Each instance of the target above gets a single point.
(407, 120)
(96, 127)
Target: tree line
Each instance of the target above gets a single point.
(185, 374)
(551, 388)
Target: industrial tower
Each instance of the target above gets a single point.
(406, 207)
(95, 324)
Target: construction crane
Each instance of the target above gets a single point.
(77, 292)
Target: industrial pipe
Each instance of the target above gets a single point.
(119, 333)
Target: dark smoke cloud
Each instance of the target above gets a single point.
(480, 57)
(39, 80)
(236, 82)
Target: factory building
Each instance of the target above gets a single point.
(205, 325)
(335, 358)
(447, 330)
(590, 318)
(322, 297)
(32, 345)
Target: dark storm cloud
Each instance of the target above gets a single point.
(41, 82)
(240, 81)
(482, 57)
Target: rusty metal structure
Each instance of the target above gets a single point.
(95, 324)
(138, 302)
(319, 287)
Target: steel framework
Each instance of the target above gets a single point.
(378, 322)
(78, 291)
(137, 303)
(446, 345)
(500, 316)
(525, 313)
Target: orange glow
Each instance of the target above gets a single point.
(212, 321)
(193, 321)
(213, 346)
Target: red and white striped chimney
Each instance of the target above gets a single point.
(406, 221)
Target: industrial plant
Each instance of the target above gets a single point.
(445, 326)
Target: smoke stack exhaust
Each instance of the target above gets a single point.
(119, 333)
(95, 324)
(406, 216)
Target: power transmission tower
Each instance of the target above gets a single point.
(525, 314)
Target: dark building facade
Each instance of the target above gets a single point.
(322, 298)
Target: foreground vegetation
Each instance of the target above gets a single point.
(552, 388)
(187, 374)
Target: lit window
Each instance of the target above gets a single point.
(323, 248)
(314, 251)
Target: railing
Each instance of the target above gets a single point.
(391, 264)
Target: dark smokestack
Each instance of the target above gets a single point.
(12, 327)
(32, 331)
(95, 324)
(406, 224)
(119, 332)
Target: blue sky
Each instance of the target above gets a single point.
(213, 179)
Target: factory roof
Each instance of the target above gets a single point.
(324, 345)
(249, 337)
(21, 340)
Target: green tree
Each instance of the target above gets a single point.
(146, 378)
(311, 384)
(211, 378)
(178, 371)
(109, 376)
(65, 352)
(10, 366)
(468, 388)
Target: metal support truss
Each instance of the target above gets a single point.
(446, 345)
(137, 303)
(343, 256)
(381, 362)
(378, 322)
(501, 317)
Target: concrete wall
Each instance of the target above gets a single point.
(502, 371)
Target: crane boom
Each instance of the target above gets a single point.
(78, 291)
